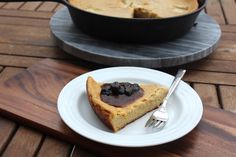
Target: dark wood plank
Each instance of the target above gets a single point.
(58, 7)
(47, 6)
(214, 65)
(228, 98)
(228, 36)
(229, 7)
(23, 13)
(78, 152)
(2, 4)
(53, 147)
(210, 77)
(207, 93)
(9, 72)
(228, 28)
(28, 35)
(24, 143)
(18, 61)
(30, 6)
(7, 127)
(214, 9)
(214, 136)
(29, 50)
(227, 47)
(13, 5)
(225, 51)
(24, 21)
(7, 130)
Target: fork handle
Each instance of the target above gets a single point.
(175, 83)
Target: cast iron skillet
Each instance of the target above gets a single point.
(130, 30)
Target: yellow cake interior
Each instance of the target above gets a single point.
(118, 117)
(137, 8)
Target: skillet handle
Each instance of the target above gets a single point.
(59, 1)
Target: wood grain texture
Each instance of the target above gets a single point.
(54, 148)
(78, 152)
(13, 5)
(214, 136)
(30, 6)
(207, 93)
(33, 51)
(7, 129)
(23, 13)
(228, 98)
(9, 72)
(228, 28)
(199, 42)
(28, 35)
(19, 146)
(229, 7)
(214, 9)
(2, 4)
(225, 51)
(210, 77)
(59, 6)
(214, 65)
(24, 21)
(47, 6)
(19, 61)
(228, 37)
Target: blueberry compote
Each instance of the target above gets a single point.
(120, 94)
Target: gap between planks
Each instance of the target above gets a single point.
(25, 13)
(228, 97)
(13, 5)
(24, 143)
(7, 131)
(214, 9)
(19, 34)
(47, 6)
(229, 7)
(206, 77)
(17, 61)
(30, 6)
(54, 147)
(30, 51)
(24, 21)
(8, 128)
(25, 137)
(2, 4)
(207, 93)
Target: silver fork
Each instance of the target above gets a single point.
(159, 118)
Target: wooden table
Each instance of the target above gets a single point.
(25, 39)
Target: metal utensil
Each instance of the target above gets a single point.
(159, 118)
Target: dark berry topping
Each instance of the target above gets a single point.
(117, 88)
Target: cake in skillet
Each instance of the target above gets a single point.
(120, 103)
(137, 8)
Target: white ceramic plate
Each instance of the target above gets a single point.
(185, 109)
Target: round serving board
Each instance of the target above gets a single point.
(199, 42)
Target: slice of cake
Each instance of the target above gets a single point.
(118, 104)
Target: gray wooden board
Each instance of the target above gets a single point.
(199, 42)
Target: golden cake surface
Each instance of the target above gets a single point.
(137, 8)
(118, 117)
